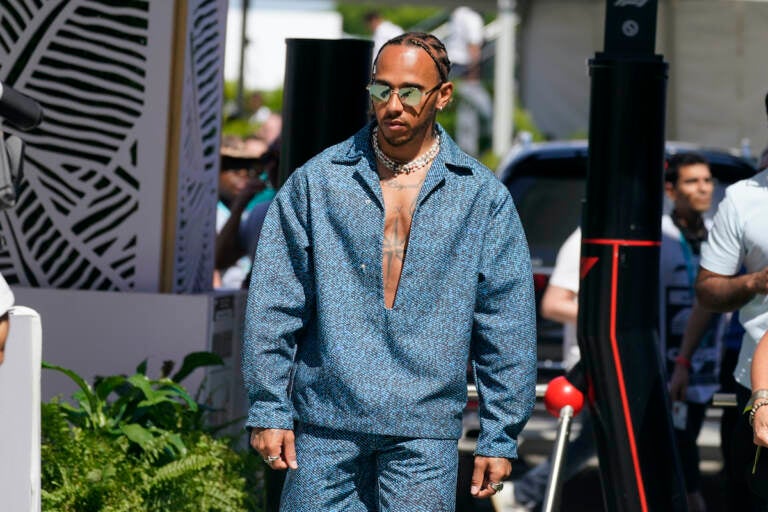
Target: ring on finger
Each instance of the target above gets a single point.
(269, 459)
(496, 486)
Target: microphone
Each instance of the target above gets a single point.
(20, 110)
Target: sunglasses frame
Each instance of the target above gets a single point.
(404, 101)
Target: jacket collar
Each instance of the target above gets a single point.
(357, 151)
(358, 147)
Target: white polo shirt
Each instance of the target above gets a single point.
(739, 236)
(566, 275)
(466, 28)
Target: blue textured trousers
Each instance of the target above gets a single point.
(355, 472)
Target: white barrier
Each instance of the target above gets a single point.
(20, 413)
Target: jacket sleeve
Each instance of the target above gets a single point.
(504, 333)
(278, 308)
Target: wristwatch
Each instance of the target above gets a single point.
(758, 394)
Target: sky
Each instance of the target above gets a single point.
(267, 30)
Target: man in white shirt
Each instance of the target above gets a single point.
(559, 304)
(382, 30)
(739, 237)
(474, 107)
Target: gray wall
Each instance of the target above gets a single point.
(715, 49)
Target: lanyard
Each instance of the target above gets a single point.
(688, 257)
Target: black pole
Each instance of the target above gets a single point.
(324, 102)
(324, 96)
(241, 64)
(619, 293)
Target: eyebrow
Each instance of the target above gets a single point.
(406, 84)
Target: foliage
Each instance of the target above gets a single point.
(135, 443)
(523, 122)
(237, 117)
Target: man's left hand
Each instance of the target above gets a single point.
(488, 470)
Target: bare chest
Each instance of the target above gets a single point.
(400, 195)
(399, 205)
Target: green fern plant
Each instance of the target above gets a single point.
(136, 443)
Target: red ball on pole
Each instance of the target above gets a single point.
(560, 393)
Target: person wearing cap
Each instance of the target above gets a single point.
(239, 191)
(385, 263)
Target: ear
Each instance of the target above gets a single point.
(444, 95)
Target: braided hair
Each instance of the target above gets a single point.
(427, 42)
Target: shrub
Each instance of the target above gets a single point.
(135, 443)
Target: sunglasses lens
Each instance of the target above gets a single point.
(410, 96)
(379, 92)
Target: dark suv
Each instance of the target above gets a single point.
(547, 182)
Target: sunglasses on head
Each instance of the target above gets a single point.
(411, 95)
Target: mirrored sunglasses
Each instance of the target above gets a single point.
(410, 96)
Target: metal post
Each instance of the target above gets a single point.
(241, 64)
(621, 235)
(552, 497)
(314, 118)
(504, 79)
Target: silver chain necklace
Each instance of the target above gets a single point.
(408, 167)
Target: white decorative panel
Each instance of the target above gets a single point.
(91, 208)
(200, 135)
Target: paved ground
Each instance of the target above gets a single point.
(583, 492)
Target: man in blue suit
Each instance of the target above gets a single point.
(384, 264)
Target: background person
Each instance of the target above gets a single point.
(385, 263)
(237, 188)
(239, 235)
(381, 29)
(474, 108)
(739, 237)
(560, 304)
(691, 337)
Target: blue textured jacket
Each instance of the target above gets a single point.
(321, 347)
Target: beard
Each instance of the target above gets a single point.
(415, 132)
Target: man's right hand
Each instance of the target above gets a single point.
(678, 383)
(759, 283)
(274, 442)
(721, 293)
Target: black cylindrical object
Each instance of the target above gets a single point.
(324, 99)
(19, 109)
(619, 293)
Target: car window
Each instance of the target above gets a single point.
(549, 209)
(548, 189)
